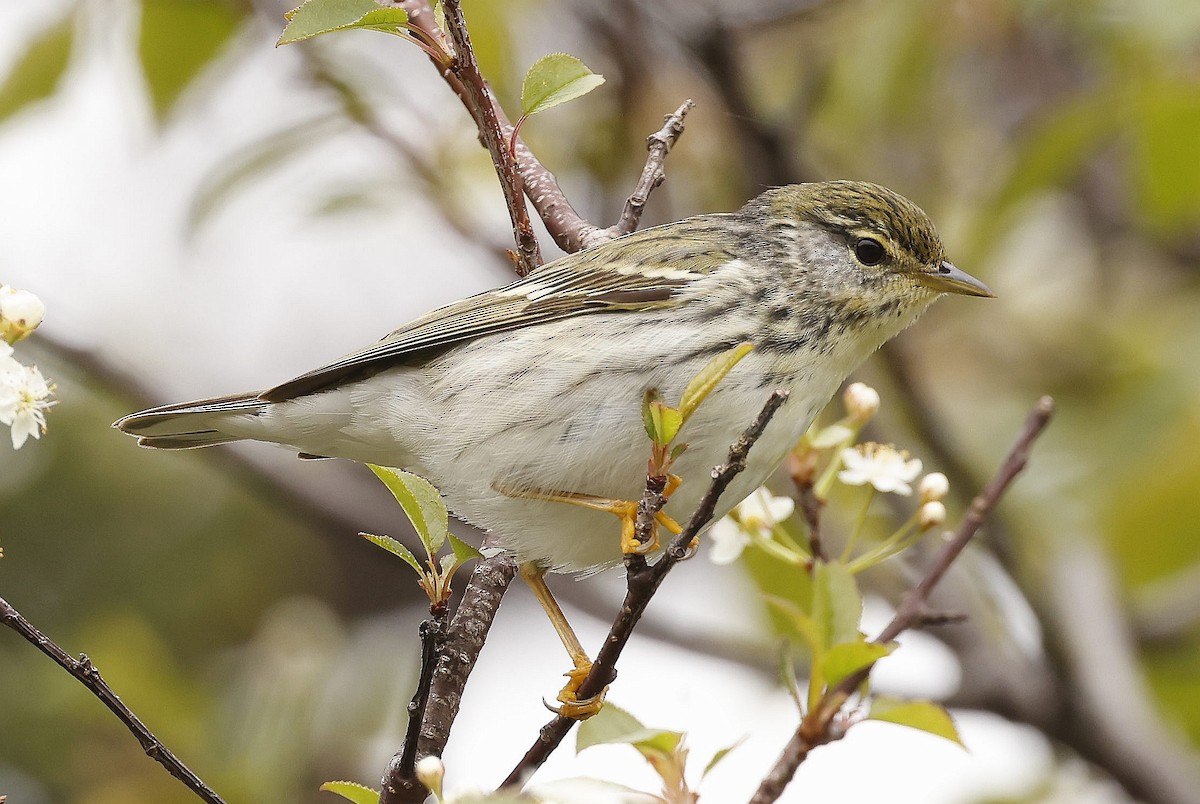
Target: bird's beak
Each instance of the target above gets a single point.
(949, 279)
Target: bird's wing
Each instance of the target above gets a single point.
(609, 277)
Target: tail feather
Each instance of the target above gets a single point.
(189, 424)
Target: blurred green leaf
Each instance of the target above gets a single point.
(848, 658)
(1164, 164)
(801, 624)
(395, 548)
(238, 169)
(316, 17)
(709, 377)
(613, 724)
(422, 504)
(774, 578)
(553, 80)
(37, 71)
(178, 39)
(720, 755)
(837, 605)
(923, 715)
(1050, 153)
(352, 791)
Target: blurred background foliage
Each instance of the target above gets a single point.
(1056, 143)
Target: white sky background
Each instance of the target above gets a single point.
(91, 219)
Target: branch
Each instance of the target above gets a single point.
(816, 728)
(571, 232)
(87, 674)
(658, 144)
(484, 109)
(468, 630)
(643, 581)
(400, 779)
(440, 692)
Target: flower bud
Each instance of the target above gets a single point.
(933, 487)
(861, 401)
(20, 313)
(931, 514)
(430, 772)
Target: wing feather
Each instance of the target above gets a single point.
(610, 277)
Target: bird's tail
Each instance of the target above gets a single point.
(189, 424)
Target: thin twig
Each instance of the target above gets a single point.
(803, 470)
(571, 232)
(658, 145)
(484, 109)
(87, 674)
(400, 778)
(642, 583)
(816, 727)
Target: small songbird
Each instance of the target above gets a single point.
(513, 396)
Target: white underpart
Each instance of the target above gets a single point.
(473, 421)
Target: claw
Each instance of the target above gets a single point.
(571, 706)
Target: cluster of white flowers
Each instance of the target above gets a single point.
(24, 392)
(757, 519)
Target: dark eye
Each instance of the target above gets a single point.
(869, 251)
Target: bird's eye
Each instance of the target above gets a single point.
(869, 251)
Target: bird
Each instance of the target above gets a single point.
(513, 398)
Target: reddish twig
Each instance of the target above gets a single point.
(818, 726)
(643, 581)
(485, 110)
(87, 674)
(568, 228)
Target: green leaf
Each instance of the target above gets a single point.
(610, 725)
(837, 605)
(316, 17)
(801, 624)
(717, 757)
(652, 742)
(649, 399)
(395, 548)
(178, 39)
(848, 658)
(708, 377)
(37, 71)
(618, 726)
(352, 791)
(462, 551)
(422, 504)
(556, 79)
(667, 421)
(923, 715)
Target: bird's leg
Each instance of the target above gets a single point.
(571, 706)
(625, 510)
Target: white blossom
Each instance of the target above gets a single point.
(20, 313)
(861, 400)
(931, 514)
(431, 771)
(24, 398)
(755, 516)
(831, 436)
(934, 486)
(880, 465)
